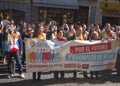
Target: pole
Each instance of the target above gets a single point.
(10, 13)
(89, 13)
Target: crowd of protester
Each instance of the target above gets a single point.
(50, 31)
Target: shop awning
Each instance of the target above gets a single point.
(67, 4)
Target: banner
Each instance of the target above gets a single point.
(72, 55)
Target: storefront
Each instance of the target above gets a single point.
(82, 14)
(4, 14)
(71, 11)
(15, 15)
(16, 10)
(57, 14)
(110, 12)
(58, 10)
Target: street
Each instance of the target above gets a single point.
(106, 78)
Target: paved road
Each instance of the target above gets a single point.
(106, 78)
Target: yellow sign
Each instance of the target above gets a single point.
(110, 5)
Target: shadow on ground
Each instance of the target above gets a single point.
(104, 76)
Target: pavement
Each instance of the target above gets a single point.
(106, 78)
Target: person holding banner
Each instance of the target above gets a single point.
(28, 33)
(79, 33)
(80, 36)
(84, 31)
(117, 31)
(72, 33)
(107, 33)
(41, 36)
(72, 36)
(94, 36)
(60, 37)
(118, 63)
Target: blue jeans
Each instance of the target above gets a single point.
(16, 55)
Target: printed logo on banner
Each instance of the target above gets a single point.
(44, 56)
(39, 56)
(32, 57)
(85, 66)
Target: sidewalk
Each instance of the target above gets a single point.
(106, 78)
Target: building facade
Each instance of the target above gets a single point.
(15, 9)
(58, 10)
(90, 11)
(108, 11)
(70, 11)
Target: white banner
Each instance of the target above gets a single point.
(72, 55)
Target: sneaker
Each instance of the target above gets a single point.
(22, 76)
(10, 76)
